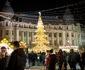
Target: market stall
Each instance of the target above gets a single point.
(5, 43)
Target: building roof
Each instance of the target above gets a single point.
(7, 8)
(68, 17)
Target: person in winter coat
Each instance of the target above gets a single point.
(47, 58)
(33, 58)
(52, 61)
(3, 58)
(72, 59)
(17, 59)
(83, 61)
(65, 60)
(60, 59)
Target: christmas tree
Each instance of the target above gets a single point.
(40, 37)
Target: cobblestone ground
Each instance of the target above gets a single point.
(43, 68)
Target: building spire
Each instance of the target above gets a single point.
(7, 3)
(39, 13)
(7, 8)
(67, 3)
(68, 17)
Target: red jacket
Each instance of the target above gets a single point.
(61, 57)
(46, 60)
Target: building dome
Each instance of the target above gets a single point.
(7, 9)
(68, 17)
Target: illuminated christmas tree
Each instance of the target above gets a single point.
(40, 37)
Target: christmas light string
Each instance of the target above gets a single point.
(49, 21)
(51, 11)
(57, 8)
(46, 20)
(44, 17)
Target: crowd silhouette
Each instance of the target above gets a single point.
(21, 59)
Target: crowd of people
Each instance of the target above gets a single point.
(19, 57)
(62, 59)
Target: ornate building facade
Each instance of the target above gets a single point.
(59, 31)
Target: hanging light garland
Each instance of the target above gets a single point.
(7, 42)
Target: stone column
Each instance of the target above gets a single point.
(53, 38)
(27, 38)
(58, 38)
(70, 40)
(10, 35)
(17, 34)
(80, 40)
(3, 33)
(64, 38)
(32, 36)
(76, 37)
(22, 36)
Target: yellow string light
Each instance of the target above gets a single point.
(22, 44)
(7, 42)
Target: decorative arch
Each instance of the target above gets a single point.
(4, 40)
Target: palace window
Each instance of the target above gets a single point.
(60, 34)
(12, 32)
(60, 27)
(72, 34)
(1, 32)
(50, 34)
(67, 35)
(72, 42)
(6, 23)
(67, 27)
(55, 42)
(55, 35)
(60, 42)
(7, 32)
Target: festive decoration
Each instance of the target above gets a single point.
(7, 42)
(40, 38)
(22, 44)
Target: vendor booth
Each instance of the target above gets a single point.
(5, 43)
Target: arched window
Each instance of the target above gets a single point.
(72, 34)
(67, 35)
(6, 23)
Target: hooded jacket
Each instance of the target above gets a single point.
(17, 60)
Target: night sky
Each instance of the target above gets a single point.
(36, 5)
